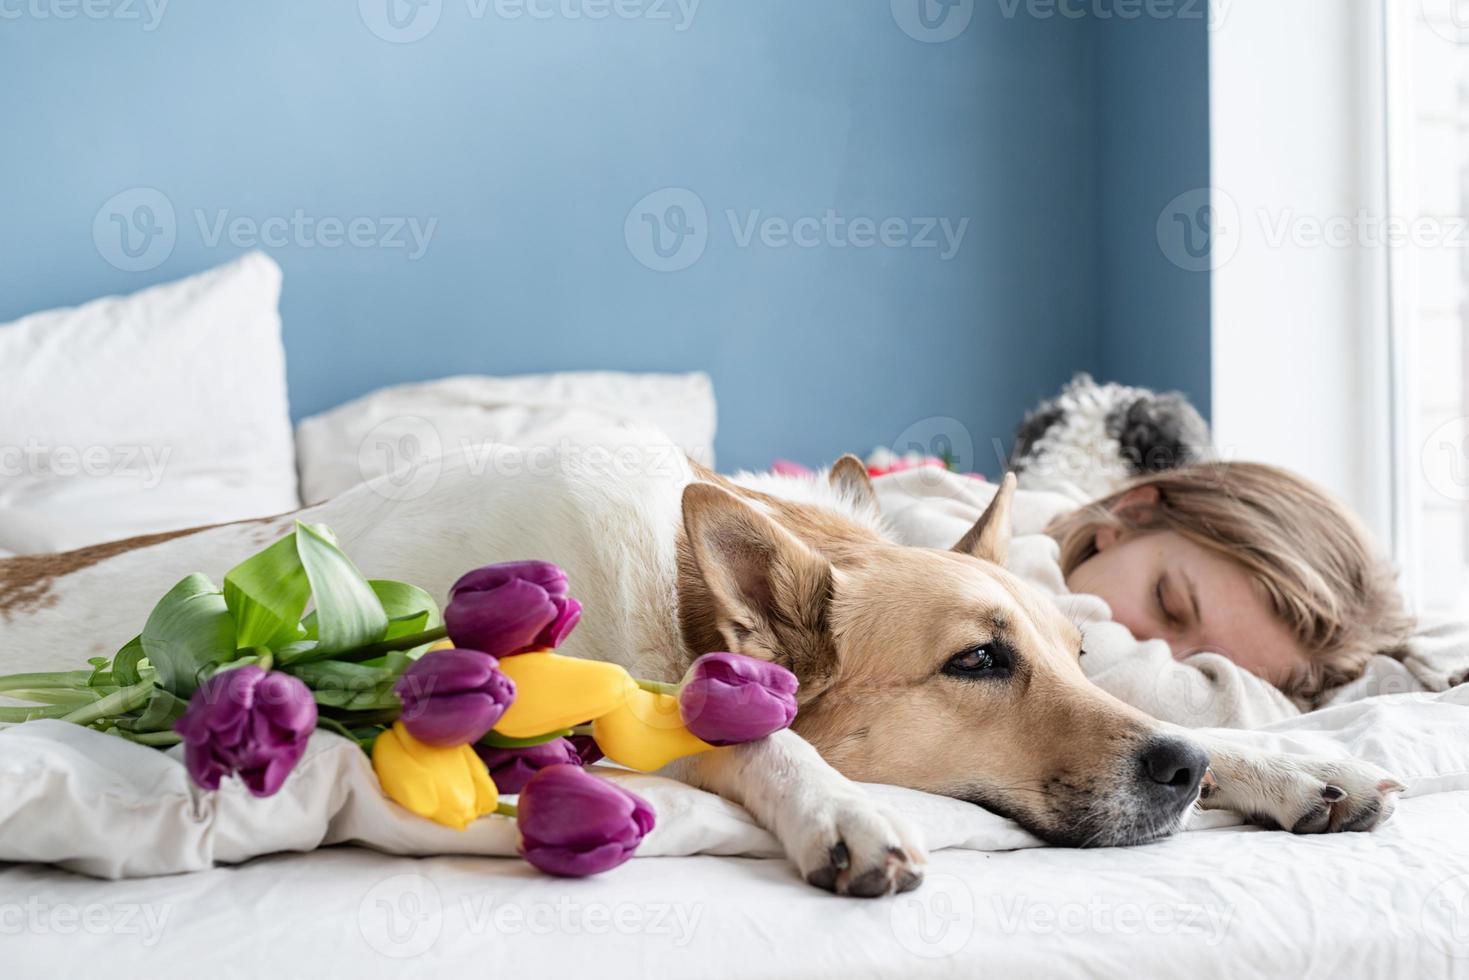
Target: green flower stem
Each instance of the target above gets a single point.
(374, 650)
(658, 687)
(358, 717)
(58, 695)
(116, 703)
(332, 725)
(160, 740)
(506, 809)
(69, 679)
(581, 730)
(494, 740)
(14, 715)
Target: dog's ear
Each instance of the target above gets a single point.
(849, 478)
(989, 538)
(771, 593)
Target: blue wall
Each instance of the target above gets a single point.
(1153, 159)
(529, 141)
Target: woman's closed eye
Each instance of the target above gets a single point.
(1161, 593)
(1178, 602)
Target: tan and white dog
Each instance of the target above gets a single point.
(936, 670)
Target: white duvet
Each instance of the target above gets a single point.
(107, 807)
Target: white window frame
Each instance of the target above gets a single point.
(1398, 167)
(1302, 339)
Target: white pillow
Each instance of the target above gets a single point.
(395, 429)
(161, 410)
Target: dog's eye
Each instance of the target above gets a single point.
(986, 660)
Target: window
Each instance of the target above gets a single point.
(1428, 152)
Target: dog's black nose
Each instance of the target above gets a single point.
(1176, 766)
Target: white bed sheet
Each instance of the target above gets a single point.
(1233, 902)
(1230, 901)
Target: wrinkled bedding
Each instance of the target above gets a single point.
(703, 897)
(1219, 899)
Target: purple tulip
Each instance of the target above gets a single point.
(452, 697)
(511, 769)
(247, 721)
(587, 749)
(727, 698)
(573, 825)
(511, 608)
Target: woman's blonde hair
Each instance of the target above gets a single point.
(1311, 556)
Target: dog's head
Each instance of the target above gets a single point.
(937, 670)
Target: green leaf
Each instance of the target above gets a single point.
(288, 652)
(99, 671)
(409, 608)
(125, 669)
(267, 593)
(348, 613)
(353, 687)
(161, 711)
(190, 629)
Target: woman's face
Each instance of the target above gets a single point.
(1162, 586)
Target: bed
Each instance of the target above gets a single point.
(1221, 899)
(709, 894)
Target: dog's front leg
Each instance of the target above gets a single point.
(1301, 793)
(839, 837)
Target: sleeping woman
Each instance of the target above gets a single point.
(1210, 593)
(1231, 562)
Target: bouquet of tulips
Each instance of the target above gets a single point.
(455, 708)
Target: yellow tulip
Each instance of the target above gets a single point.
(645, 732)
(554, 692)
(450, 786)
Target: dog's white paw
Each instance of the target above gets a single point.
(851, 845)
(1320, 796)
